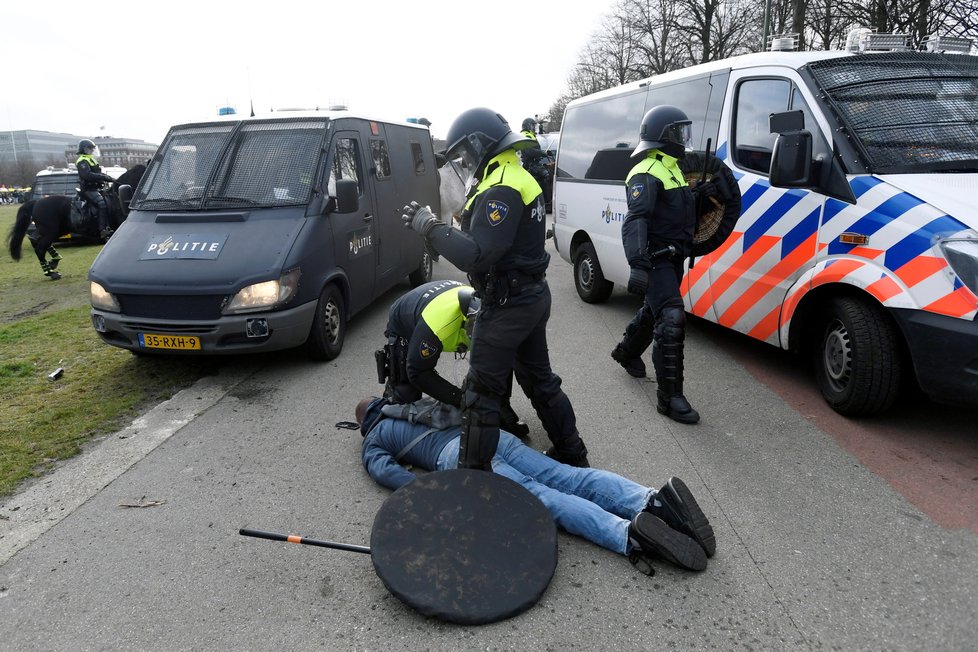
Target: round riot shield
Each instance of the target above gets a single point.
(718, 214)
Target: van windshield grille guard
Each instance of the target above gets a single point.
(254, 164)
(907, 111)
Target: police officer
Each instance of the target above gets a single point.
(537, 162)
(661, 214)
(422, 323)
(501, 245)
(91, 179)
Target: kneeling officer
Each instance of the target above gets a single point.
(431, 318)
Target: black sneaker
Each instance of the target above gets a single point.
(634, 366)
(674, 504)
(656, 538)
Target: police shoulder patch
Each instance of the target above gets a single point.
(496, 212)
(427, 350)
(635, 190)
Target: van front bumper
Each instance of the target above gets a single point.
(944, 351)
(269, 331)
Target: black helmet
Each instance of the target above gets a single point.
(479, 134)
(664, 127)
(85, 146)
(529, 125)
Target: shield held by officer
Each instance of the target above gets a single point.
(718, 200)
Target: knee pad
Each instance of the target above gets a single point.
(671, 324)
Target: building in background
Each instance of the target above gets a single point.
(121, 152)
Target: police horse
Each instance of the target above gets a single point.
(55, 216)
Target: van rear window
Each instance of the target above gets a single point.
(908, 111)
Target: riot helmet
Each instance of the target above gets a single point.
(476, 136)
(666, 128)
(85, 146)
(530, 124)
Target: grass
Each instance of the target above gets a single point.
(44, 326)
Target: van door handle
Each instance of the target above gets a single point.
(367, 217)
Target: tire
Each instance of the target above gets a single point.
(328, 326)
(857, 358)
(590, 282)
(424, 271)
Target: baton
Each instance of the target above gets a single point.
(292, 538)
(665, 252)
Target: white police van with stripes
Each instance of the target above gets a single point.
(857, 240)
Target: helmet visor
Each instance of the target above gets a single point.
(680, 133)
(465, 156)
(94, 152)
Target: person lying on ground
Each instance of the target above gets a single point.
(602, 507)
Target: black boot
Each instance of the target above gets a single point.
(654, 537)
(634, 366)
(667, 356)
(674, 504)
(560, 422)
(511, 422)
(636, 338)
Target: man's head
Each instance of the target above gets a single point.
(368, 413)
(476, 136)
(666, 128)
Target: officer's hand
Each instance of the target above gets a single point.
(707, 190)
(638, 281)
(419, 218)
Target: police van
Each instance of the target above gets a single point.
(64, 181)
(264, 233)
(857, 240)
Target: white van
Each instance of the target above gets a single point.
(869, 262)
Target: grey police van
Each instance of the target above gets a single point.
(264, 233)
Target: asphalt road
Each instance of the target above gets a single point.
(831, 534)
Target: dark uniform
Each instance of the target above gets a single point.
(423, 323)
(501, 245)
(536, 161)
(661, 213)
(90, 179)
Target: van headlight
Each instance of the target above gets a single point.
(962, 256)
(264, 295)
(102, 299)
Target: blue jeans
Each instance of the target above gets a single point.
(590, 503)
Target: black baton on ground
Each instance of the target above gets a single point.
(292, 538)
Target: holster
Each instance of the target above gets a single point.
(382, 357)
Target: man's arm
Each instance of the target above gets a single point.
(379, 461)
(423, 352)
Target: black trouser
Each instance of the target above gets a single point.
(96, 199)
(512, 338)
(662, 299)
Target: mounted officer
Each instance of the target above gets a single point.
(91, 178)
(501, 245)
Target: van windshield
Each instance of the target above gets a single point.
(234, 165)
(908, 111)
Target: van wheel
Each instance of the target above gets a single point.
(588, 279)
(329, 325)
(424, 271)
(857, 358)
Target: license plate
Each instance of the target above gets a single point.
(177, 342)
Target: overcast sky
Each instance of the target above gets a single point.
(134, 69)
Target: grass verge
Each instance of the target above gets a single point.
(44, 326)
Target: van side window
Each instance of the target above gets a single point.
(346, 164)
(753, 141)
(693, 97)
(597, 138)
(382, 159)
(418, 158)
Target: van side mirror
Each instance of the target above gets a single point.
(791, 161)
(125, 197)
(347, 196)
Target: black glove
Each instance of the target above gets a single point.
(419, 218)
(638, 281)
(707, 190)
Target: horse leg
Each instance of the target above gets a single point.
(55, 256)
(41, 248)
